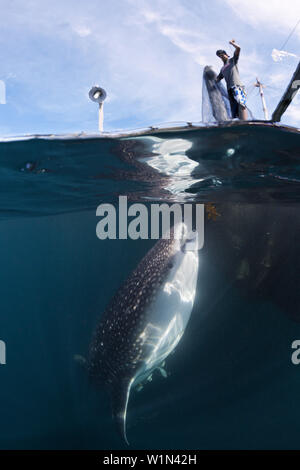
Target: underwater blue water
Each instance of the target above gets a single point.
(231, 383)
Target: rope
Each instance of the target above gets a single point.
(251, 91)
(249, 84)
(289, 36)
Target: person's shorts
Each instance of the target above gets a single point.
(234, 106)
(237, 96)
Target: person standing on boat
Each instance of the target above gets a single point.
(236, 91)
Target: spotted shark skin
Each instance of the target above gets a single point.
(144, 321)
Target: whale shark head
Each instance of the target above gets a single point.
(188, 239)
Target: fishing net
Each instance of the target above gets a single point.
(215, 102)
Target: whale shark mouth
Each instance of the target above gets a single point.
(191, 243)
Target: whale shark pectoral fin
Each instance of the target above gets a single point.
(119, 395)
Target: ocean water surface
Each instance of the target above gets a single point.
(231, 382)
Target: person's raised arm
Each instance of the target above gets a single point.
(237, 51)
(219, 77)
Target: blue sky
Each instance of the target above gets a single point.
(148, 55)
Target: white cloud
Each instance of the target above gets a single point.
(293, 112)
(277, 56)
(279, 78)
(82, 31)
(272, 14)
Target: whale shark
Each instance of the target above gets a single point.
(145, 320)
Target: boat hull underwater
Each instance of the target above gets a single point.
(144, 321)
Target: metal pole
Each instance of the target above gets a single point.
(98, 95)
(265, 110)
(101, 117)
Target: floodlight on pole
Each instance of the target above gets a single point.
(98, 95)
